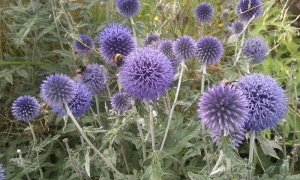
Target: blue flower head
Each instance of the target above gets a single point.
(146, 74)
(80, 104)
(25, 108)
(128, 8)
(246, 9)
(57, 89)
(237, 27)
(223, 108)
(267, 101)
(84, 45)
(204, 12)
(184, 47)
(115, 39)
(120, 102)
(151, 40)
(1, 172)
(256, 48)
(236, 137)
(95, 78)
(209, 50)
(166, 47)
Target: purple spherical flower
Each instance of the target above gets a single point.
(166, 47)
(84, 45)
(80, 103)
(1, 173)
(184, 47)
(146, 74)
(57, 89)
(128, 8)
(267, 100)
(256, 48)
(204, 12)
(246, 9)
(151, 40)
(25, 108)
(223, 108)
(115, 39)
(237, 27)
(94, 77)
(236, 137)
(120, 102)
(209, 50)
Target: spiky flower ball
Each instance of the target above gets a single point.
(166, 47)
(146, 74)
(223, 108)
(120, 102)
(25, 108)
(1, 173)
(128, 8)
(246, 9)
(115, 39)
(184, 47)
(267, 99)
(58, 89)
(151, 40)
(84, 45)
(204, 12)
(81, 102)
(256, 48)
(95, 78)
(237, 27)
(236, 138)
(209, 50)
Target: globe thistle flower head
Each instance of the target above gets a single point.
(256, 48)
(166, 47)
(120, 102)
(204, 12)
(236, 137)
(1, 172)
(151, 40)
(83, 46)
(128, 8)
(95, 78)
(184, 47)
(25, 108)
(80, 103)
(209, 50)
(57, 89)
(237, 27)
(267, 101)
(246, 9)
(115, 39)
(146, 74)
(223, 108)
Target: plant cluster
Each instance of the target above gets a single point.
(168, 90)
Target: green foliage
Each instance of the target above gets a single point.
(37, 40)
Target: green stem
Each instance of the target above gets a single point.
(98, 110)
(56, 25)
(36, 149)
(106, 161)
(22, 163)
(173, 106)
(65, 140)
(221, 156)
(133, 30)
(152, 127)
(250, 161)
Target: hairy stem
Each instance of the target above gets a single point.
(123, 152)
(98, 110)
(173, 106)
(106, 161)
(22, 163)
(65, 140)
(36, 149)
(142, 139)
(133, 30)
(152, 127)
(56, 25)
(250, 161)
(221, 156)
